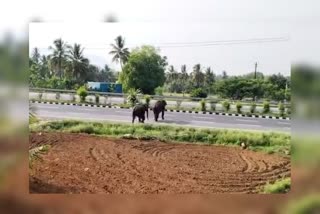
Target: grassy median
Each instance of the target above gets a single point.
(259, 141)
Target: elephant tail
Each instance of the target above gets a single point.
(148, 113)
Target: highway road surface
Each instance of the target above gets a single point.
(87, 113)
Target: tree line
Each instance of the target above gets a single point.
(144, 68)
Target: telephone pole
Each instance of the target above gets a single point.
(255, 70)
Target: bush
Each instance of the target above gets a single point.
(281, 109)
(159, 90)
(226, 105)
(253, 108)
(281, 186)
(83, 93)
(97, 98)
(147, 99)
(133, 96)
(266, 107)
(212, 106)
(198, 93)
(203, 105)
(288, 111)
(178, 104)
(238, 106)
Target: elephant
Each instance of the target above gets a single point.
(139, 111)
(159, 106)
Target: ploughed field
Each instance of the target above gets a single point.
(81, 163)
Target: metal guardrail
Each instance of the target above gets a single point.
(177, 98)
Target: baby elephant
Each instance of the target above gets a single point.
(159, 106)
(139, 111)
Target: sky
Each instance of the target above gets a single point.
(208, 43)
(225, 19)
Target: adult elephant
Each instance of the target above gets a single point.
(139, 111)
(159, 106)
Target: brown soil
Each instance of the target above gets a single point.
(79, 163)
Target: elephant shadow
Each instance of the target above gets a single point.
(173, 122)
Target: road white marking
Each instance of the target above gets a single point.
(55, 107)
(241, 124)
(284, 123)
(250, 121)
(202, 117)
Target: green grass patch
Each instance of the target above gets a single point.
(259, 141)
(280, 186)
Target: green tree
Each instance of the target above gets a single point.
(119, 52)
(144, 70)
(197, 76)
(58, 58)
(35, 55)
(209, 79)
(78, 63)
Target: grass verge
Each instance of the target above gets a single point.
(259, 141)
(280, 186)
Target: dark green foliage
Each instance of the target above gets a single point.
(144, 70)
(198, 92)
(238, 106)
(83, 93)
(281, 108)
(147, 99)
(253, 108)
(226, 105)
(203, 105)
(266, 107)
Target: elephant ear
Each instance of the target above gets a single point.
(164, 102)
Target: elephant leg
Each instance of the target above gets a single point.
(142, 119)
(162, 115)
(133, 118)
(156, 114)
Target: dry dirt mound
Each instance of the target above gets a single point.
(79, 163)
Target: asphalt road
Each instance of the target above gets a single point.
(53, 111)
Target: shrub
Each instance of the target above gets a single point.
(281, 108)
(97, 98)
(40, 95)
(147, 99)
(82, 92)
(288, 111)
(266, 107)
(178, 104)
(133, 96)
(212, 106)
(73, 97)
(226, 105)
(159, 90)
(280, 186)
(253, 108)
(198, 93)
(57, 96)
(238, 106)
(203, 105)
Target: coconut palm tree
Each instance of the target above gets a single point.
(197, 76)
(35, 55)
(59, 56)
(119, 52)
(78, 63)
(184, 74)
